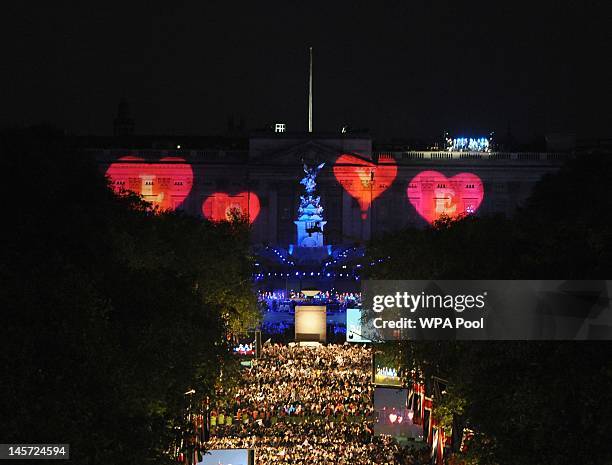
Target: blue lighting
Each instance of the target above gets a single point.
(468, 144)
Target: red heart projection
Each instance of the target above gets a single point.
(432, 194)
(219, 206)
(364, 180)
(165, 183)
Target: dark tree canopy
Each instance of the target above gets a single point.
(528, 402)
(111, 311)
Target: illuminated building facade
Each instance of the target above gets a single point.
(364, 192)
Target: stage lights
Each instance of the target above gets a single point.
(468, 144)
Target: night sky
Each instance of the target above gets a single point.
(402, 69)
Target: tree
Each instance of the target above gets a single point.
(528, 402)
(112, 310)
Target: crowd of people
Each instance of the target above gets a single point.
(318, 442)
(304, 405)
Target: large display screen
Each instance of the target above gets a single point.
(228, 457)
(245, 347)
(393, 417)
(386, 371)
(354, 330)
(311, 323)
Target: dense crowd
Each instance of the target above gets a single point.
(304, 405)
(318, 442)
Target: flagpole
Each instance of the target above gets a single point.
(310, 93)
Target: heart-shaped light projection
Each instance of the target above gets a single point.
(392, 417)
(220, 205)
(364, 180)
(165, 183)
(433, 195)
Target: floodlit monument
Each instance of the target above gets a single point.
(310, 221)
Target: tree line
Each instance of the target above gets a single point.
(527, 402)
(111, 310)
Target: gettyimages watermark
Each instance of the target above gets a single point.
(411, 303)
(486, 310)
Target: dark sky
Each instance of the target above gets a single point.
(400, 68)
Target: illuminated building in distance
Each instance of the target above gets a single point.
(364, 192)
